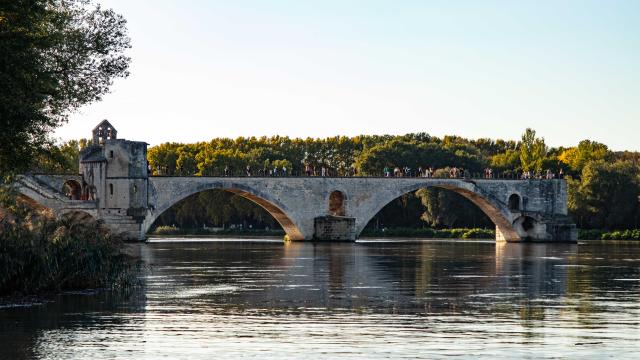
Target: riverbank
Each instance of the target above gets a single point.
(425, 233)
(632, 234)
(429, 233)
(173, 231)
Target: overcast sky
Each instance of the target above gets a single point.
(204, 69)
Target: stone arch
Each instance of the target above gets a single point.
(515, 202)
(529, 227)
(337, 200)
(497, 211)
(274, 207)
(72, 189)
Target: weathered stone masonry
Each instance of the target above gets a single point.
(114, 186)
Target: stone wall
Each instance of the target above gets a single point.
(334, 228)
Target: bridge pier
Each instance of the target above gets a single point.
(543, 229)
(334, 228)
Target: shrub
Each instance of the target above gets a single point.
(167, 230)
(41, 254)
(479, 234)
(631, 234)
(431, 233)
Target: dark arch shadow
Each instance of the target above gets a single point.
(274, 209)
(505, 230)
(72, 189)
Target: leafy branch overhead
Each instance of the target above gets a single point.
(55, 56)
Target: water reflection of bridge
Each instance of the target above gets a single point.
(438, 276)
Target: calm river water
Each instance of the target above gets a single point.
(369, 300)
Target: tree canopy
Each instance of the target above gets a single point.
(55, 56)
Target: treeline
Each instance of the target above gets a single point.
(604, 186)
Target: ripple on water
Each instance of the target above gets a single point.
(370, 300)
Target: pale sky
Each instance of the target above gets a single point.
(204, 69)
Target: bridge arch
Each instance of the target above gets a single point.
(180, 191)
(497, 210)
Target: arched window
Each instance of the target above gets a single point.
(514, 202)
(336, 203)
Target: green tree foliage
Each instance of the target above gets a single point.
(401, 153)
(576, 158)
(444, 208)
(532, 151)
(606, 196)
(55, 56)
(508, 160)
(60, 159)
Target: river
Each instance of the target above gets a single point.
(367, 300)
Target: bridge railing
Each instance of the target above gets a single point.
(332, 174)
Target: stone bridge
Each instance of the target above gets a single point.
(325, 208)
(115, 187)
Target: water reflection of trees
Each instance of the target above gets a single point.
(529, 284)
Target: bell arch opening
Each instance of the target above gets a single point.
(223, 209)
(336, 203)
(465, 209)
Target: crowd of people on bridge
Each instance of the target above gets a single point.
(547, 175)
(389, 172)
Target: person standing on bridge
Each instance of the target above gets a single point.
(248, 170)
(226, 170)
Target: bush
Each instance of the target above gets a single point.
(631, 234)
(479, 234)
(429, 233)
(41, 254)
(167, 230)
